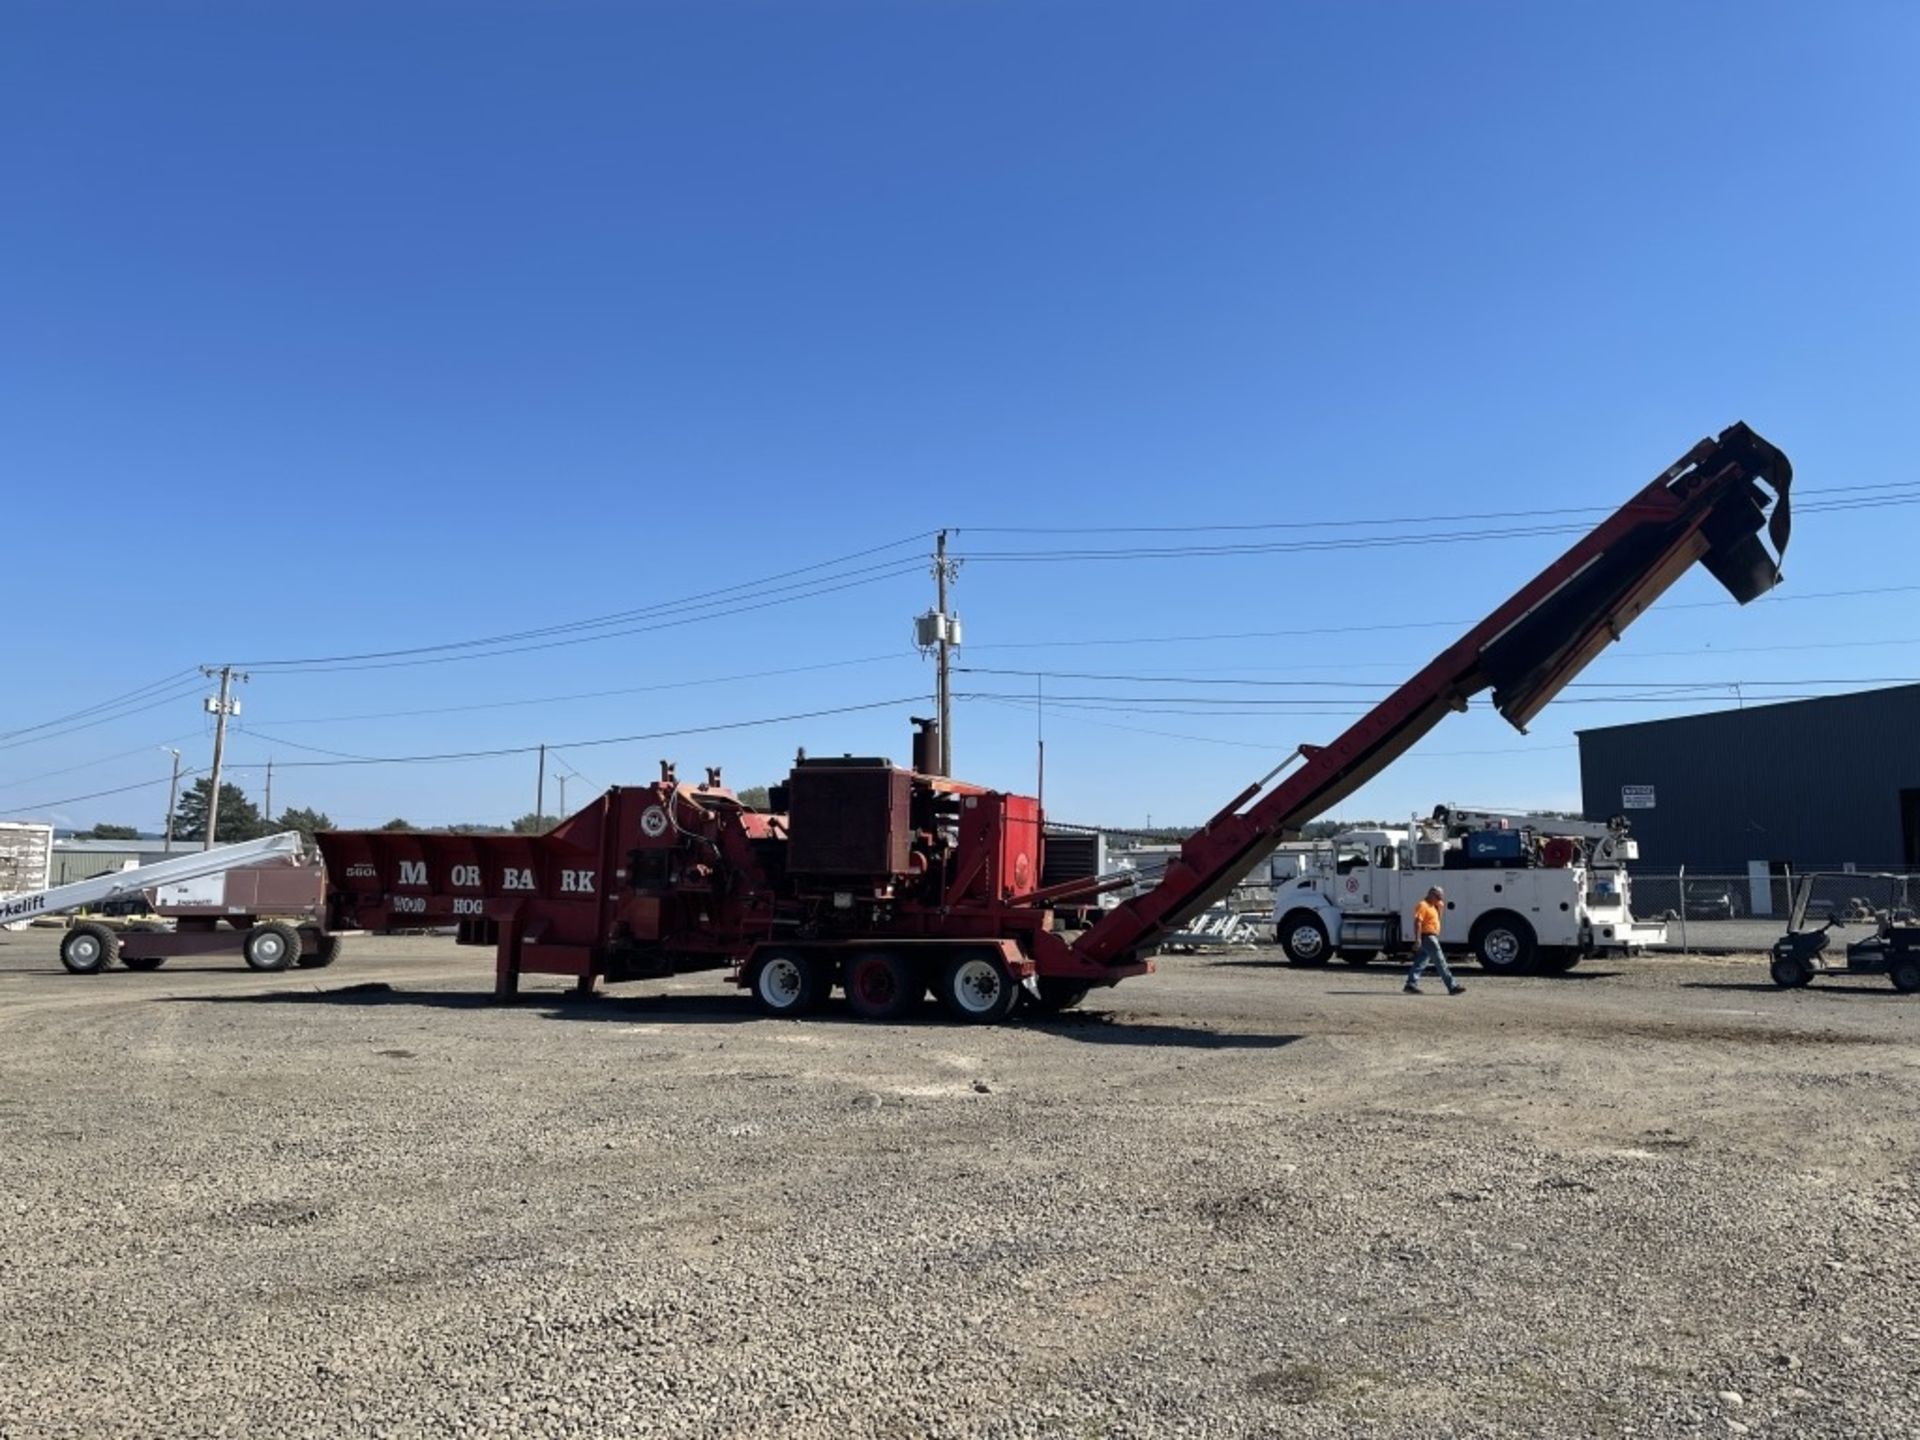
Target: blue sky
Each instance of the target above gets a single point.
(333, 329)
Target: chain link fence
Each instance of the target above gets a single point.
(1739, 912)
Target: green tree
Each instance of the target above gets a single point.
(109, 832)
(239, 816)
(754, 797)
(532, 824)
(305, 821)
(398, 824)
(474, 827)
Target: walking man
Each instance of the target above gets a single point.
(1426, 932)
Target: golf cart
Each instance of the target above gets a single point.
(1893, 949)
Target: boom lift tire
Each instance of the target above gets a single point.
(1503, 943)
(89, 949)
(1790, 972)
(787, 983)
(143, 962)
(271, 946)
(1058, 995)
(882, 985)
(1303, 935)
(327, 950)
(976, 988)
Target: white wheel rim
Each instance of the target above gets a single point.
(1502, 947)
(84, 949)
(1305, 941)
(780, 982)
(269, 947)
(977, 986)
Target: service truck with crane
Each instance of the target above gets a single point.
(886, 881)
(1523, 891)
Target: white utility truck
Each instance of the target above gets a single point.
(1524, 892)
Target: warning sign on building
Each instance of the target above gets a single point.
(1636, 797)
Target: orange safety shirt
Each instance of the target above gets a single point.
(1426, 918)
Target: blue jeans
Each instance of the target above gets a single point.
(1430, 953)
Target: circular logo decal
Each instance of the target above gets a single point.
(653, 822)
(1353, 885)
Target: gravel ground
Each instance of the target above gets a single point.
(1230, 1199)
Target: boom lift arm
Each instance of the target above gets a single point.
(1708, 506)
(111, 886)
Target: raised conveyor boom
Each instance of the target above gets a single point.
(191, 866)
(1709, 506)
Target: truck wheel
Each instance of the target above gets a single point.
(788, 984)
(271, 946)
(882, 986)
(89, 949)
(143, 962)
(1503, 943)
(327, 949)
(1058, 995)
(1905, 975)
(978, 989)
(1790, 972)
(1304, 937)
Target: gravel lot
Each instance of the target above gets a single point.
(1230, 1199)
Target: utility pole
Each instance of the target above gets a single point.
(173, 793)
(540, 789)
(220, 709)
(268, 807)
(946, 678)
(560, 779)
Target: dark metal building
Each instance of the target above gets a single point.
(1811, 784)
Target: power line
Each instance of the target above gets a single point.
(717, 600)
(1772, 598)
(124, 713)
(347, 759)
(1054, 555)
(40, 806)
(581, 695)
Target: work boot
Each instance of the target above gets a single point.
(1456, 989)
(1409, 988)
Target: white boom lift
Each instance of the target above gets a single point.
(94, 950)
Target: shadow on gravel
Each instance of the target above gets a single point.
(1092, 1027)
(1861, 984)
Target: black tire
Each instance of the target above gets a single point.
(1558, 960)
(1359, 957)
(143, 962)
(1303, 935)
(787, 983)
(271, 946)
(327, 949)
(1905, 975)
(89, 949)
(882, 985)
(1790, 972)
(1504, 944)
(976, 988)
(1058, 995)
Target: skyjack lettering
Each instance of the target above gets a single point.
(24, 905)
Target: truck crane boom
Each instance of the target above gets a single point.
(115, 884)
(1708, 506)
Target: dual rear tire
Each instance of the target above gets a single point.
(975, 987)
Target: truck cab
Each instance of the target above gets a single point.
(1523, 892)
